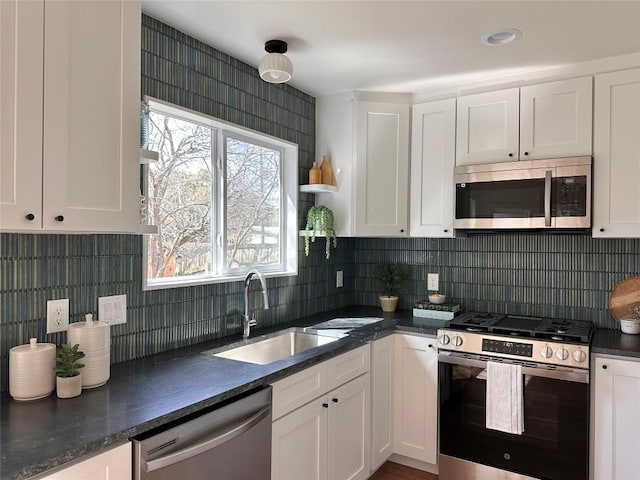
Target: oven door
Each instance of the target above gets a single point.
(554, 444)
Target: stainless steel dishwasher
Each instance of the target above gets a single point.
(232, 442)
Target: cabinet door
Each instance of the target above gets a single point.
(487, 127)
(21, 73)
(556, 119)
(416, 397)
(433, 146)
(616, 440)
(349, 437)
(616, 163)
(114, 464)
(299, 443)
(382, 169)
(91, 116)
(381, 401)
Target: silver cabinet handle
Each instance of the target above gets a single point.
(191, 451)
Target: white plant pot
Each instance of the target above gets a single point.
(630, 326)
(69, 387)
(388, 303)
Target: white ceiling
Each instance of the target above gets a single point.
(407, 46)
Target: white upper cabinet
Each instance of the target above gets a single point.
(382, 166)
(433, 139)
(487, 127)
(616, 163)
(368, 143)
(539, 121)
(21, 74)
(556, 119)
(81, 172)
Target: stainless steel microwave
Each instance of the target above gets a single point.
(536, 194)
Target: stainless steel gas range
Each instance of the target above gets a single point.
(514, 398)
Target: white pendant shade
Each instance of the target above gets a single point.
(275, 68)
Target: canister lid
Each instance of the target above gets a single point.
(32, 347)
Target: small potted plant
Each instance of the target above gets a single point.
(68, 377)
(391, 277)
(320, 222)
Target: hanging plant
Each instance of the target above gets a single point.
(320, 221)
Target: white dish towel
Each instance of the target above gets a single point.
(505, 408)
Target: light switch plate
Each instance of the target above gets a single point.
(113, 309)
(432, 281)
(339, 279)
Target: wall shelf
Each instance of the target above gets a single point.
(318, 188)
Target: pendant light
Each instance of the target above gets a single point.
(275, 67)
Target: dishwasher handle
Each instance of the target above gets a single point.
(191, 451)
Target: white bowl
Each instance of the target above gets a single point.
(630, 325)
(437, 299)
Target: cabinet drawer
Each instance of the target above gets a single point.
(294, 391)
(349, 365)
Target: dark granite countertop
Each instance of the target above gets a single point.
(150, 392)
(614, 342)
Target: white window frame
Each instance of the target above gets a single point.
(288, 201)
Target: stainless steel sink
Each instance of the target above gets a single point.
(273, 348)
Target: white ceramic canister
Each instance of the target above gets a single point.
(94, 339)
(32, 370)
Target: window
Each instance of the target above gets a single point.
(224, 199)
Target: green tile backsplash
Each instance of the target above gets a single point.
(529, 274)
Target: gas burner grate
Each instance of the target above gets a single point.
(557, 330)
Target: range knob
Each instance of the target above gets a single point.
(562, 354)
(457, 341)
(579, 356)
(444, 339)
(546, 352)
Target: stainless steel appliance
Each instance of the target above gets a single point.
(554, 360)
(538, 194)
(232, 442)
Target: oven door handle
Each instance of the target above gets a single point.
(558, 373)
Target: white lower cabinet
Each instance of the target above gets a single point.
(616, 419)
(327, 438)
(381, 401)
(114, 464)
(416, 397)
(299, 443)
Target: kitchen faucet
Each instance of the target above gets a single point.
(246, 320)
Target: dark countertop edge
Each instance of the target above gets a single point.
(613, 342)
(397, 321)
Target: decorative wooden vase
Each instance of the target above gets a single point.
(315, 174)
(327, 171)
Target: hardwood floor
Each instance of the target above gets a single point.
(395, 471)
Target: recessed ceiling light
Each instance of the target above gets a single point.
(501, 37)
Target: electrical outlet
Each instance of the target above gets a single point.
(432, 281)
(113, 309)
(339, 279)
(57, 315)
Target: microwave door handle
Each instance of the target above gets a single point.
(547, 198)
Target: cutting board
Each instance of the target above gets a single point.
(624, 296)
